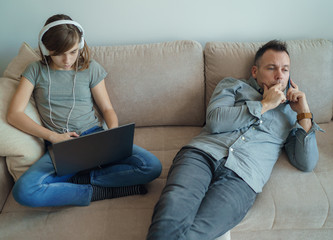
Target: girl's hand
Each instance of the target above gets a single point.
(60, 137)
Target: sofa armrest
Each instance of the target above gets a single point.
(6, 182)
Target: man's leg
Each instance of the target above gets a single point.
(188, 181)
(226, 203)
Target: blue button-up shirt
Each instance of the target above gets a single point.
(252, 142)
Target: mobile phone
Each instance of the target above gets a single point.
(289, 86)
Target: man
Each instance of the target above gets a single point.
(214, 180)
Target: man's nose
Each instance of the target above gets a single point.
(278, 74)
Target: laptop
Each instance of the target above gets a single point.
(92, 150)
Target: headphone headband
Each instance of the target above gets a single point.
(44, 50)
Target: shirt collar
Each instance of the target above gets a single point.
(253, 83)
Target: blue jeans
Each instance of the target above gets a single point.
(40, 186)
(202, 199)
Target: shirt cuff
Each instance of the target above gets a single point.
(315, 127)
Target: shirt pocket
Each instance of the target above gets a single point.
(280, 125)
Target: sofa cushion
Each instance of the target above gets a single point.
(20, 149)
(135, 211)
(121, 218)
(292, 199)
(311, 69)
(324, 169)
(164, 142)
(155, 84)
(6, 182)
(25, 56)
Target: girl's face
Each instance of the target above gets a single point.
(65, 61)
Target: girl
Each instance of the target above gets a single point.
(64, 84)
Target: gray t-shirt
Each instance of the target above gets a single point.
(61, 96)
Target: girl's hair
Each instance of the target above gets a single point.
(62, 38)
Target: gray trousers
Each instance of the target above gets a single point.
(202, 199)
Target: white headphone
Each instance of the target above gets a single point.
(56, 23)
(46, 52)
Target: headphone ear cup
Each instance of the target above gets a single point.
(81, 44)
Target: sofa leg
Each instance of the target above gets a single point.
(225, 236)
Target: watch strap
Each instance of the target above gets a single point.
(304, 115)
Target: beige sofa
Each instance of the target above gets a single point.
(164, 89)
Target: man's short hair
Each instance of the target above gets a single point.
(275, 45)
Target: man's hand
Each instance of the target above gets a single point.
(297, 99)
(272, 97)
(299, 104)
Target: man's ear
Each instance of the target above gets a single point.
(254, 71)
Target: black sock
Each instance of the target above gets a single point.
(80, 178)
(100, 193)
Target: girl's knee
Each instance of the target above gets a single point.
(153, 166)
(156, 168)
(151, 163)
(24, 193)
(20, 194)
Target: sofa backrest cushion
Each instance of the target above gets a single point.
(311, 69)
(20, 150)
(25, 56)
(155, 84)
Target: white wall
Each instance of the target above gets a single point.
(118, 22)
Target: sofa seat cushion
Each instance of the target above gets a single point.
(6, 182)
(293, 199)
(285, 234)
(290, 200)
(164, 142)
(122, 218)
(113, 216)
(324, 169)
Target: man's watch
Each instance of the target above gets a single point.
(304, 115)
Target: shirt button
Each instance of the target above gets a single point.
(261, 121)
(243, 138)
(231, 149)
(253, 128)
